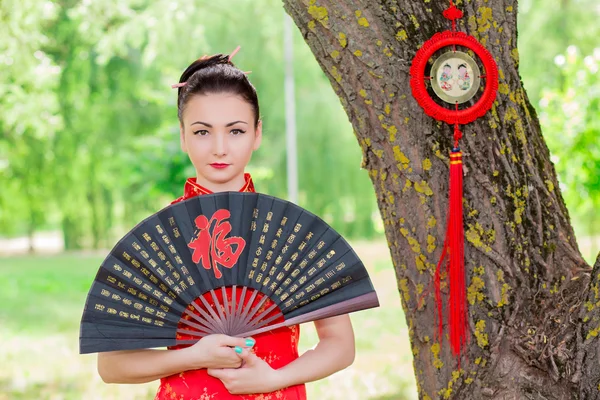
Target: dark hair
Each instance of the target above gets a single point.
(215, 74)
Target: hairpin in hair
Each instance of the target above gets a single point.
(233, 53)
(204, 57)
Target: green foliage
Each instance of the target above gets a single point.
(566, 95)
(27, 115)
(89, 129)
(106, 152)
(546, 29)
(569, 114)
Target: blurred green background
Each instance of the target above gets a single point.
(89, 146)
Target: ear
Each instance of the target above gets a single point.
(258, 136)
(182, 139)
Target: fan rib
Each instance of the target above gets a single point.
(238, 311)
(193, 325)
(233, 299)
(219, 308)
(218, 324)
(199, 319)
(256, 321)
(362, 302)
(254, 310)
(226, 309)
(247, 308)
(267, 321)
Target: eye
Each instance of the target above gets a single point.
(236, 132)
(201, 132)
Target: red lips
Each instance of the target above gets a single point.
(219, 165)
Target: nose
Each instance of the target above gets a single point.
(220, 144)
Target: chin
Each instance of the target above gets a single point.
(219, 177)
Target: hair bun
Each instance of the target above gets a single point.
(204, 62)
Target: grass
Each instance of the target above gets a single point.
(42, 298)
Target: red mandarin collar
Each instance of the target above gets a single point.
(193, 189)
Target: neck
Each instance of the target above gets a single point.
(232, 185)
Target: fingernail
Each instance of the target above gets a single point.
(238, 349)
(250, 342)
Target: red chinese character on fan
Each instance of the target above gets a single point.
(215, 247)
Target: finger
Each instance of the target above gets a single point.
(248, 357)
(242, 352)
(216, 372)
(234, 341)
(228, 356)
(239, 351)
(225, 375)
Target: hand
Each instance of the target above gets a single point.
(218, 351)
(255, 376)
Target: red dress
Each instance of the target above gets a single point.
(278, 348)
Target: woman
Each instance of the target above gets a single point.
(219, 130)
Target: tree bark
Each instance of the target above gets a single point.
(533, 318)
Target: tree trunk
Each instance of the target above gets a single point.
(31, 238)
(532, 314)
(31, 220)
(72, 231)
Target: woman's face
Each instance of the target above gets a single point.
(219, 136)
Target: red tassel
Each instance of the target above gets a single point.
(453, 254)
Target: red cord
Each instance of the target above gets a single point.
(453, 257)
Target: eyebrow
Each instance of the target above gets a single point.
(210, 126)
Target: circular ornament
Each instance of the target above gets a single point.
(442, 79)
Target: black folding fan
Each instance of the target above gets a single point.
(165, 282)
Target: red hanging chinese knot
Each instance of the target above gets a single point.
(452, 258)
